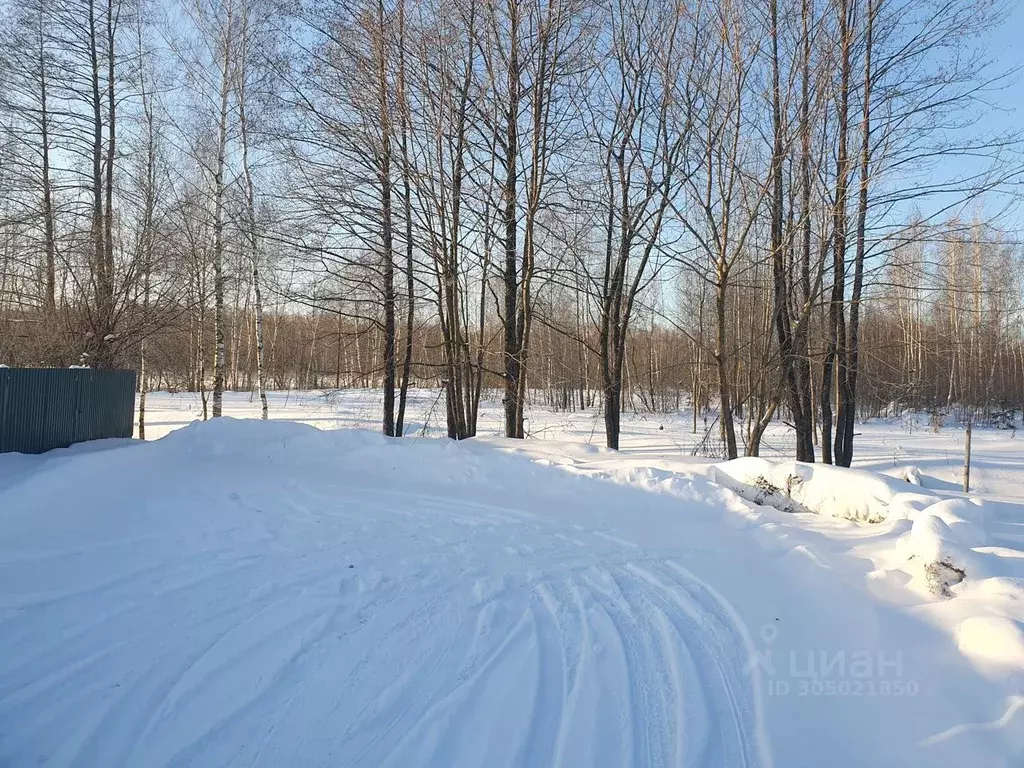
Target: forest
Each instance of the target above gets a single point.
(762, 210)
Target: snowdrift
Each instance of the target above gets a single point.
(820, 488)
(941, 544)
(936, 535)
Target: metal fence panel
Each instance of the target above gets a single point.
(46, 408)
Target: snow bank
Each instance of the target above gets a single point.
(285, 441)
(934, 553)
(820, 488)
(939, 549)
(960, 555)
(934, 546)
(993, 640)
(965, 518)
(912, 475)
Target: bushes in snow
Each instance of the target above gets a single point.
(936, 547)
(820, 488)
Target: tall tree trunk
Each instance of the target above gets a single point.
(250, 209)
(96, 343)
(146, 241)
(219, 355)
(726, 424)
(835, 357)
(513, 422)
(108, 216)
(49, 230)
(782, 286)
(410, 278)
(848, 409)
(387, 255)
(802, 353)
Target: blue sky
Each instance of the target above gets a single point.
(1006, 46)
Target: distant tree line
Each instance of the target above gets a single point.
(757, 209)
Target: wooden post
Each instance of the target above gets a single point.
(967, 458)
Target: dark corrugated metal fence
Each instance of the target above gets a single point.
(45, 408)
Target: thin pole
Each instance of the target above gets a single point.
(967, 458)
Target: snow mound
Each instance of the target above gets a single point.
(994, 640)
(939, 542)
(820, 488)
(956, 559)
(912, 475)
(935, 554)
(965, 518)
(230, 434)
(945, 545)
(228, 438)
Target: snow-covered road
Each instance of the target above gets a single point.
(268, 594)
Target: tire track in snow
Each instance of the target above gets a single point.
(410, 695)
(442, 735)
(541, 741)
(288, 647)
(731, 631)
(658, 634)
(719, 665)
(469, 635)
(266, 632)
(576, 648)
(624, 637)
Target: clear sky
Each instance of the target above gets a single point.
(1006, 47)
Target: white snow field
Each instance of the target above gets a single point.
(241, 593)
(889, 445)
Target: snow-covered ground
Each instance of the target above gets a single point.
(245, 593)
(883, 446)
